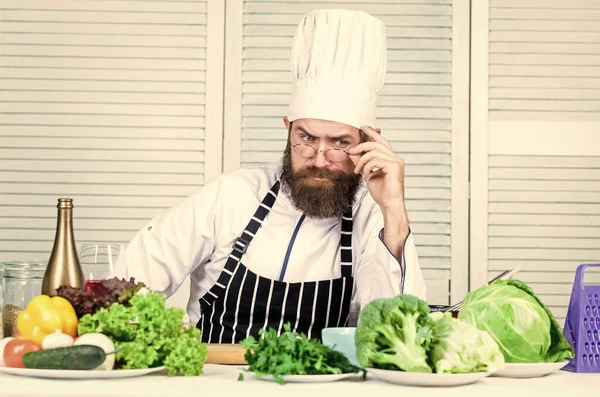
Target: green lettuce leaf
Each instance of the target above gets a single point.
(147, 334)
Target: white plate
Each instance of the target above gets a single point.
(425, 379)
(310, 378)
(529, 370)
(72, 374)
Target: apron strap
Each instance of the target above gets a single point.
(241, 243)
(346, 244)
(240, 246)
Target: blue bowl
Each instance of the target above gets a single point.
(342, 340)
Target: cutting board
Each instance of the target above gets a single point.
(226, 354)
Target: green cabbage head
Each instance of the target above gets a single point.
(518, 321)
(462, 348)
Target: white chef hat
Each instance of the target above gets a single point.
(338, 67)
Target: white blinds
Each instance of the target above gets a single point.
(415, 110)
(102, 101)
(537, 203)
(544, 214)
(544, 58)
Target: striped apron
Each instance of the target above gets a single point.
(241, 302)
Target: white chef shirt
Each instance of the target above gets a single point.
(196, 237)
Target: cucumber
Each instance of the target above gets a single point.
(80, 357)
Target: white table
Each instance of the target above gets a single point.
(221, 381)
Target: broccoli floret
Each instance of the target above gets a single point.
(395, 333)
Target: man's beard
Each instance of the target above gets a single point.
(318, 199)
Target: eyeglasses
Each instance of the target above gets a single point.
(307, 151)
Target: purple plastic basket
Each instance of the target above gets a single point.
(582, 325)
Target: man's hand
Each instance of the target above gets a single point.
(386, 185)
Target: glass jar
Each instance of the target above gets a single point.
(21, 282)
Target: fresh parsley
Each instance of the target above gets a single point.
(293, 354)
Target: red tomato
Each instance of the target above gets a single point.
(16, 349)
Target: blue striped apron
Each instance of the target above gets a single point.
(241, 302)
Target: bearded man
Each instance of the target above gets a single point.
(310, 240)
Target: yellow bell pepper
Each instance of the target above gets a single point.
(45, 315)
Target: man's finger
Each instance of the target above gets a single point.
(369, 146)
(376, 165)
(370, 156)
(376, 136)
(355, 158)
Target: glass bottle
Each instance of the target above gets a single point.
(63, 267)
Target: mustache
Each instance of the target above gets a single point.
(316, 172)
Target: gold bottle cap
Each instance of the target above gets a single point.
(65, 203)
